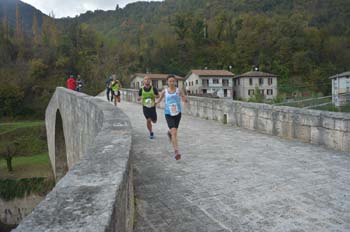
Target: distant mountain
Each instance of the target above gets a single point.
(8, 9)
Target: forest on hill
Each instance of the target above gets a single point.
(302, 41)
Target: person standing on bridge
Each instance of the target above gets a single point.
(116, 91)
(71, 83)
(148, 94)
(172, 111)
(109, 92)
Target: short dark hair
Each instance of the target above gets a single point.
(170, 76)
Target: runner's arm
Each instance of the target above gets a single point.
(139, 97)
(161, 96)
(183, 96)
(156, 93)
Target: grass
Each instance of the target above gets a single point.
(11, 126)
(27, 167)
(331, 107)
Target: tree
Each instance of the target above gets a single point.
(11, 99)
(5, 45)
(8, 151)
(35, 31)
(181, 23)
(257, 96)
(19, 33)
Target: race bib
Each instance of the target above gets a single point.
(173, 109)
(148, 103)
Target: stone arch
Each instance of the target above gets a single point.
(61, 164)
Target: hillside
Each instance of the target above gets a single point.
(8, 9)
(302, 41)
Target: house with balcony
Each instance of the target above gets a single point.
(245, 85)
(341, 89)
(205, 82)
(157, 80)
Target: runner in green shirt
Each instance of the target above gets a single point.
(115, 89)
(148, 94)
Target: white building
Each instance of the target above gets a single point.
(341, 88)
(244, 85)
(157, 80)
(214, 82)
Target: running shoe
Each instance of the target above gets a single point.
(177, 155)
(151, 135)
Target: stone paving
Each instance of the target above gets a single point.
(231, 179)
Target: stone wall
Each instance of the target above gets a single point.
(330, 129)
(96, 194)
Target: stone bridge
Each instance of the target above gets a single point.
(245, 167)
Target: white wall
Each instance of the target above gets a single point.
(211, 88)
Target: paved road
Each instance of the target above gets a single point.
(231, 179)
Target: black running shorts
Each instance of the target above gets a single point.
(150, 113)
(173, 121)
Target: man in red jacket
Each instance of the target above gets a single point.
(71, 84)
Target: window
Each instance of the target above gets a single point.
(234, 82)
(269, 91)
(215, 81)
(204, 91)
(250, 81)
(196, 82)
(250, 92)
(261, 81)
(225, 82)
(225, 92)
(270, 81)
(163, 82)
(238, 81)
(262, 92)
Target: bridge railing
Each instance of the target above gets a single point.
(96, 194)
(330, 129)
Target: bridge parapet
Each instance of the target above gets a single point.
(331, 129)
(91, 139)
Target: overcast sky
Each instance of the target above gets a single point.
(64, 8)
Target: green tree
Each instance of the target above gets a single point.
(19, 33)
(11, 100)
(257, 96)
(8, 152)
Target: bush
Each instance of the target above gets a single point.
(11, 189)
(11, 100)
(38, 69)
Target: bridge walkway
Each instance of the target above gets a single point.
(232, 179)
